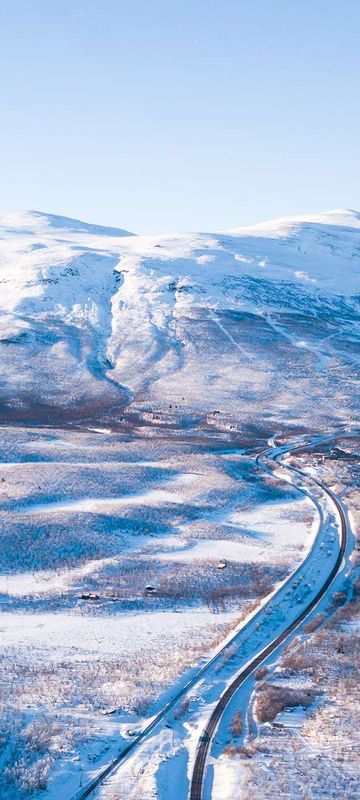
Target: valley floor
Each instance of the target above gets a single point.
(153, 550)
(88, 521)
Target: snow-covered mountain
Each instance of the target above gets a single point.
(260, 323)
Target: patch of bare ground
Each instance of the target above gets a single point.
(270, 700)
(236, 724)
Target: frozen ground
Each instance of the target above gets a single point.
(160, 365)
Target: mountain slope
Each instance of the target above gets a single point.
(261, 323)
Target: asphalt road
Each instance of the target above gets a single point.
(205, 740)
(196, 791)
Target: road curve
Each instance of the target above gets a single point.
(106, 771)
(196, 790)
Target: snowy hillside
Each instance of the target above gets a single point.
(94, 317)
(145, 535)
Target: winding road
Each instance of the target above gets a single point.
(197, 783)
(267, 460)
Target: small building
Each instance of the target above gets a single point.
(222, 564)
(89, 596)
(150, 589)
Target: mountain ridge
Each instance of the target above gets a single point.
(339, 216)
(94, 319)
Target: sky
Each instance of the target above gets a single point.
(169, 115)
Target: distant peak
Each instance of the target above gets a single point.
(342, 217)
(15, 219)
(57, 221)
(336, 216)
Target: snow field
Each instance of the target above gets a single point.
(73, 661)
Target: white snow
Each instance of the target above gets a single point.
(33, 583)
(96, 505)
(280, 524)
(215, 549)
(238, 321)
(87, 636)
(102, 315)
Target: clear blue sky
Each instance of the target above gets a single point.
(160, 115)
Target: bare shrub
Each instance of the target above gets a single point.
(236, 724)
(337, 601)
(261, 672)
(230, 750)
(271, 700)
(29, 752)
(36, 776)
(314, 623)
(246, 750)
(182, 708)
(21, 779)
(39, 735)
(296, 658)
(229, 652)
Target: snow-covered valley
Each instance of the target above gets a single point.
(141, 376)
